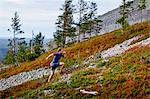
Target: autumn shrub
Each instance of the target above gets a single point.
(32, 56)
(101, 63)
(80, 78)
(128, 77)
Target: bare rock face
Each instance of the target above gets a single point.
(120, 48)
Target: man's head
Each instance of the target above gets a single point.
(59, 49)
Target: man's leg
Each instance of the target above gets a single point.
(51, 75)
(61, 66)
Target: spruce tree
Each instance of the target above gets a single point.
(92, 21)
(35, 47)
(58, 35)
(9, 58)
(92, 15)
(124, 9)
(88, 20)
(82, 11)
(64, 24)
(141, 7)
(22, 51)
(15, 30)
(38, 43)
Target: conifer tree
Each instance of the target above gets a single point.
(124, 9)
(92, 20)
(88, 20)
(38, 43)
(82, 12)
(15, 30)
(9, 58)
(141, 7)
(58, 35)
(64, 24)
(22, 51)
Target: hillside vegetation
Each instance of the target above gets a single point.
(124, 76)
(76, 53)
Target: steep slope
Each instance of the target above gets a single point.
(78, 52)
(124, 76)
(24, 77)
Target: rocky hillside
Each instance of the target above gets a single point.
(113, 65)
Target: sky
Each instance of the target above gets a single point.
(40, 15)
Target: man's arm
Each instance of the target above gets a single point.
(49, 56)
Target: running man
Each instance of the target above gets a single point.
(55, 62)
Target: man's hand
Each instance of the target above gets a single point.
(64, 52)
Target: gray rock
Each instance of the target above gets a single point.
(22, 78)
(116, 50)
(46, 92)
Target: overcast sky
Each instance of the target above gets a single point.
(40, 15)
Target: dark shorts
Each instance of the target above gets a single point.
(54, 65)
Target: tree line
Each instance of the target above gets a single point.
(75, 20)
(19, 50)
(82, 19)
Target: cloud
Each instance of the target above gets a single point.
(17, 2)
